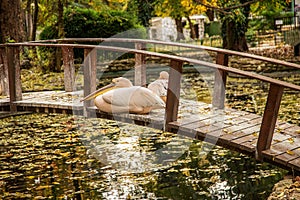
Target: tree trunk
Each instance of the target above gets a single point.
(210, 14)
(234, 30)
(179, 28)
(11, 23)
(192, 28)
(28, 21)
(35, 19)
(60, 25)
(11, 30)
(233, 39)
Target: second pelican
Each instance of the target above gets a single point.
(160, 86)
(122, 97)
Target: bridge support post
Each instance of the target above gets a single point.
(140, 66)
(269, 119)
(14, 76)
(297, 50)
(3, 72)
(69, 68)
(173, 93)
(218, 100)
(89, 72)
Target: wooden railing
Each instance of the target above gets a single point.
(276, 88)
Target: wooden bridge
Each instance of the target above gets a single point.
(263, 137)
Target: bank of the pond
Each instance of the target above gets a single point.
(52, 156)
(286, 189)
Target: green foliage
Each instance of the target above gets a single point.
(80, 22)
(213, 28)
(49, 32)
(265, 13)
(87, 23)
(144, 10)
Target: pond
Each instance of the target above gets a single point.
(55, 156)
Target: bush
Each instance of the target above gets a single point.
(88, 23)
(213, 28)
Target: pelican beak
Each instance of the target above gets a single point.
(99, 92)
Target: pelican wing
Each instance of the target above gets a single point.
(147, 98)
(120, 96)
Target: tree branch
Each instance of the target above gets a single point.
(242, 5)
(225, 10)
(212, 7)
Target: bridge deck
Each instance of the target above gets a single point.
(229, 128)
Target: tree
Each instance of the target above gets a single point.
(234, 18)
(31, 12)
(177, 9)
(142, 9)
(11, 30)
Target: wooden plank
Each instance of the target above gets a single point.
(269, 119)
(236, 132)
(279, 137)
(140, 77)
(220, 82)
(173, 92)
(284, 126)
(289, 155)
(283, 158)
(294, 164)
(236, 124)
(283, 151)
(69, 68)
(293, 130)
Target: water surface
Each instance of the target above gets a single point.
(52, 156)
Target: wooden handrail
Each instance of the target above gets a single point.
(171, 57)
(196, 47)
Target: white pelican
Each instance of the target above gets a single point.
(122, 97)
(160, 86)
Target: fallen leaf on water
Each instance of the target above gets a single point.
(43, 187)
(66, 154)
(185, 171)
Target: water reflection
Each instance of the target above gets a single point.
(51, 157)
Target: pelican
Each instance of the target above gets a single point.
(122, 97)
(160, 86)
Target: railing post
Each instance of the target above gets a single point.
(173, 92)
(69, 68)
(3, 72)
(269, 119)
(89, 72)
(14, 76)
(140, 66)
(218, 100)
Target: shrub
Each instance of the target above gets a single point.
(88, 23)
